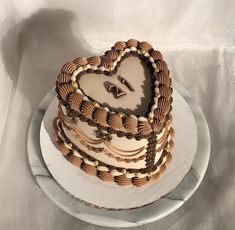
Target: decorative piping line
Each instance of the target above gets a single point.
(123, 179)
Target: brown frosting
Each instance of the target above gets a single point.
(120, 46)
(144, 46)
(63, 78)
(155, 177)
(65, 90)
(132, 43)
(69, 67)
(164, 104)
(113, 54)
(157, 125)
(89, 169)
(156, 55)
(130, 124)
(64, 150)
(171, 145)
(144, 128)
(158, 114)
(139, 181)
(75, 160)
(172, 132)
(115, 122)
(165, 91)
(80, 61)
(94, 61)
(122, 180)
(106, 61)
(75, 101)
(100, 116)
(161, 65)
(87, 109)
(105, 176)
(163, 78)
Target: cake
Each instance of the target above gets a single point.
(114, 114)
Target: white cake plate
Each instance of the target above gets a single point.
(190, 157)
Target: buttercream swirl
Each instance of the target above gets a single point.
(144, 46)
(119, 46)
(75, 101)
(132, 43)
(139, 181)
(156, 55)
(115, 122)
(75, 160)
(161, 65)
(64, 150)
(94, 61)
(80, 61)
(130, 124)
(100, 116)
(163, 78)
(163, 104)
(106, 61)
(87, 109)
(69, 67)
(89, 169)
(144, 128)
(65, 90)
(165, 91)
(123, 180)
(158, 114)
(63, 78)
(113, 54)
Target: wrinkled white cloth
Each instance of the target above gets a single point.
(37, 37)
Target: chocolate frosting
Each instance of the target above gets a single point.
(75, 101)
(161, 65)
(113, 54)
(163, 78)
(87, 108)
(64, 78)
(130, 124)
(144, 128)
(69, 67)
(115, 121)
(156, 55)
(106, 61)
(144, 46)
(119, 46)
(165, 91)
(65, 90)
(80, 61)
(132, 43)
(94, 61)
(100, 116)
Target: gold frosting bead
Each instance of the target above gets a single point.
(150, 120)
(96, 163)
(68, 145)
(96, 104)
(124, 171)
(167, 148)
(149, 174)
(75, 84)
(158, 95)
(121, 53)
(84, 67)
(120, 114)
(142, 51)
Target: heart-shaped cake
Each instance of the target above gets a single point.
(114, 119)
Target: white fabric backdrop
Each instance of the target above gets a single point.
(37, 37)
